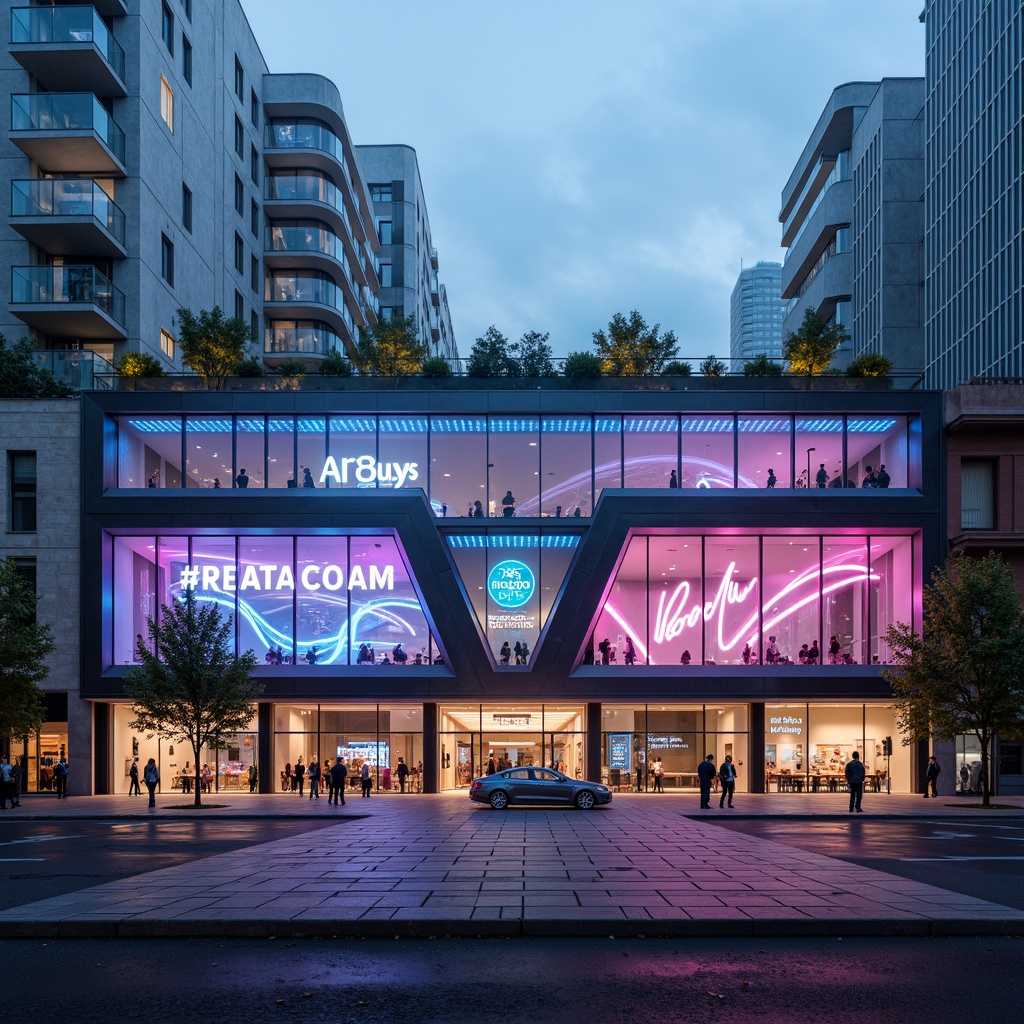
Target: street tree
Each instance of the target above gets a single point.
(390, 348)
(533, 355)
(188, 683)
(212, 344)
(23, 376)
(491, 356)
(630, 348)
(965, 673)
(810, 349)
(24, 647)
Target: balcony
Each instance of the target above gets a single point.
(68, 48)
(305, 339)
(70, 301)
(67, 132)
(68, 215)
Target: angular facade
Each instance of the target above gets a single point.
(756, 312)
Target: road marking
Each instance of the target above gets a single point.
(951, 835)
(38, 839)
(920, 860)
(21, 860)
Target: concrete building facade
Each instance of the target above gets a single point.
(756, 312)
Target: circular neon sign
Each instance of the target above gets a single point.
(510, 583)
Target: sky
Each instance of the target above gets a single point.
(585, 157)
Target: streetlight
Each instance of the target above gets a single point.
(809, 450)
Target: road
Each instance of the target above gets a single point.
(39, 859)
(543, 981)
(976, 858)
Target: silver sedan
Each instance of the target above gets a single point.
(537, 786)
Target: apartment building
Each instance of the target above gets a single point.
(756, 312)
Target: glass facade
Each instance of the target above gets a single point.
(549, 465)
(293, 600)
(786, 598)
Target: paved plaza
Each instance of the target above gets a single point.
(436, 865)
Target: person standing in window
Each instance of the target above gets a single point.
(508, 505)
(772, 479)
(307, 478)
(629, 654)
(883, 480)
(478, 510)
(242, 480)
(821, 477)
(605, 647)
(870, 480)
(672, 480)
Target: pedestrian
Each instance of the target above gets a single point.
(508, 504)
(299, 779)
(287, 776)
(834, 647)
(254, 777)
(821, 477)
(965, 779)
(365, 778)
(151, 777)
(727, 776)
(478, 510)
(558, 511)
(629, 654)
(706, 775)
(883, 479)
(403, 774)
(492, 765)
(307, 478)
(186, 778)
(855, 780)
(338, 775)
(659, 777)
(605, 647)
(216, 483)
(518, 651)
(6, 784)
(673, 480)
(931, 778)
(577, 513)
(242, 480)
(505, 654)
(313, 771)
(771, 652)
(134, 789)
(772, 479)
(16, 768)
(746, 654)
(640, 771)
(870, 480)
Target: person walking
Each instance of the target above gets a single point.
(299, 779)
(313, 771)
(134, 789)
(821, 477)
(772, 479)
(629, 654)
(366, 778)
(855, 780)
(403, 774)
(338, 775)
(727, 776)
(151, 777)
(706, 775)
(659, 777)
(931, 778)
(6, 784)
(254, 777)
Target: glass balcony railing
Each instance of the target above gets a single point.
(78, 368)
(300, 337)
(285, 238)
(308, 135)
(307, 188)
(67, 197)
(48, 25)
(308, 287)
(77, 284)
(64, 112)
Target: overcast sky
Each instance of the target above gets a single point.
(582, 157)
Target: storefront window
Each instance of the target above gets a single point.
(172, 558)
(877, 441)
(607, 457)
(819, 452)
(764, 450)
(514, 465)
(708, 453)
(250, 450)
(218, 554)
(651, 450)
(265, 587)
(207, 450)
(676, 634)
(845, 600)
(731, 595)
(280, 452)
(352, 451)
(134, 579)
(402, 454)
(566, 461)
(312, 445)
(892, 591)
(149, 451)
(792, 582)
(458, 465)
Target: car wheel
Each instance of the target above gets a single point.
(585, 800)
(499, 800)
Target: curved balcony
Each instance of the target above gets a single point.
(70, 300)
(303, 338)
(68, 48)
(67, 132)
(308, 294)
(68, 215)
(318, 145)
(310, 245)
(834, 210)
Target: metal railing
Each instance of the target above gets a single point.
(70, 284)
(58, 25)
(67, 197)
(63, 112)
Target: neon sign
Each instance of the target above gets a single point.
(366, 471)
(273, 577)
(511, 583)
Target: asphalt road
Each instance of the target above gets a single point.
(796, 981)
(39, 859)
(979, 859)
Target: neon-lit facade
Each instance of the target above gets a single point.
(502, 613)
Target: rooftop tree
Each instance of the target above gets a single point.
(630, 348)
(810, 349)
(492, 356)
(390, 348)
(533, 355)
(212, 344)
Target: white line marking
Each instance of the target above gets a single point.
(21, 860)
(918, 860)
(38, 839)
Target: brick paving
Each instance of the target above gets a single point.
(436, 865)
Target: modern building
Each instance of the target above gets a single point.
(389, 621)
(756, 312)
(852, 222)
(408, 258)
(974, 227)
(153, 162)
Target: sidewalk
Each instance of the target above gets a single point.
(419, 865)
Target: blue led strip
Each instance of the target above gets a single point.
(482, 540)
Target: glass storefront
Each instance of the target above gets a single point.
(552, 735)
(789, 598)
(550, 465)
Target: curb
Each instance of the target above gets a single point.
(520, 928)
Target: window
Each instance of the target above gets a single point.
(22, 472)
(389, 313)
(167, 260)
(239, 253)
(977, 494)
(239, 80)
(239, 196)
(167, 29)
(239, 137)
(254, 108)
(166, 344)
(254, 326)
(186, 59)
(239, 306)
(167, 103)
(254, 165)
(186, 208)
(254, 273)
(187, 7)
(384, 231)
(385, 275)
(254, 219)
(380, 193)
